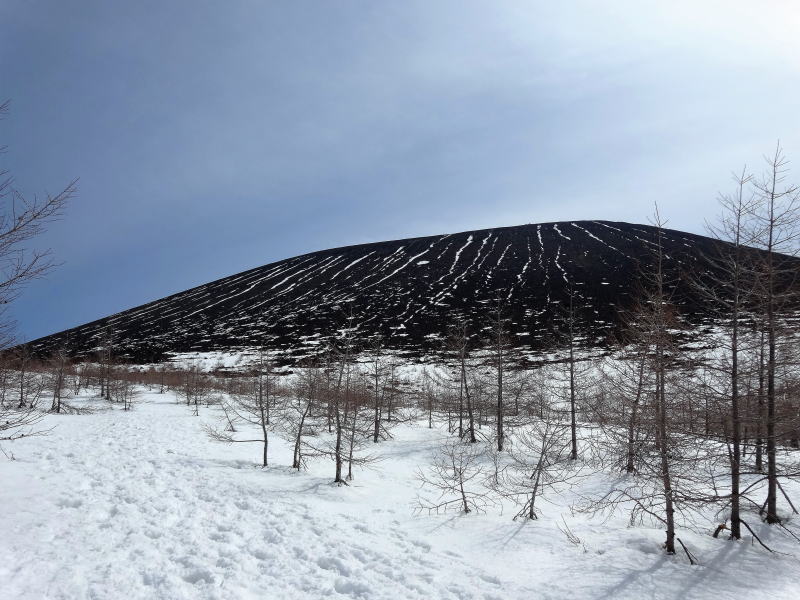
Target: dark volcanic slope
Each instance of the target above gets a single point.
(407, 290)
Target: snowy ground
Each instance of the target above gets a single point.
(141, 505)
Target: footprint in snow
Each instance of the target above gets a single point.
(70, 503)
(331, 563)
(199, 576)
(352, 588)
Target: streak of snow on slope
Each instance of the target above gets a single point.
(489, 253)
(355, 262)
(247, 289)
(560, 268)
(527, 263)
(594, 237)
(499, 262)
(455, 260)
(396, 271)
(521, 274)
(558, 231)
(465, 272)
(541, 263)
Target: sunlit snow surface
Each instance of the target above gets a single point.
(141, 505)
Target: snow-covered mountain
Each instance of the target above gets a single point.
(408, 291)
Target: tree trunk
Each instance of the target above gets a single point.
(630, 465)
(470, 414)
(500, 431)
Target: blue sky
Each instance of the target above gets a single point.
(212, 137)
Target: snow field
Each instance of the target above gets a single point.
(142, 505)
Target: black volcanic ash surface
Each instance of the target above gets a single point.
(407, 291)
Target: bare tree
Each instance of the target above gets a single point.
(162, 376)
(500, 346)
(456, 475)
(728, 285)
(618, 405)
(299, 415)
(23, 357)
(253, 402)
(458, 344)
(777, 218)
(658, 321)
(17, 423)
(428, 395)
(341, 396)
(391, 395)
(21, 220)
(77, 378)
(571, 362)
(195, 387)
(6, 379)
(347, 396)
(105, 359)
(541, 461)
(121, 387)
(378, 373)
(58, 364)
(20, 412)
(652, 490)
(358, 431)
